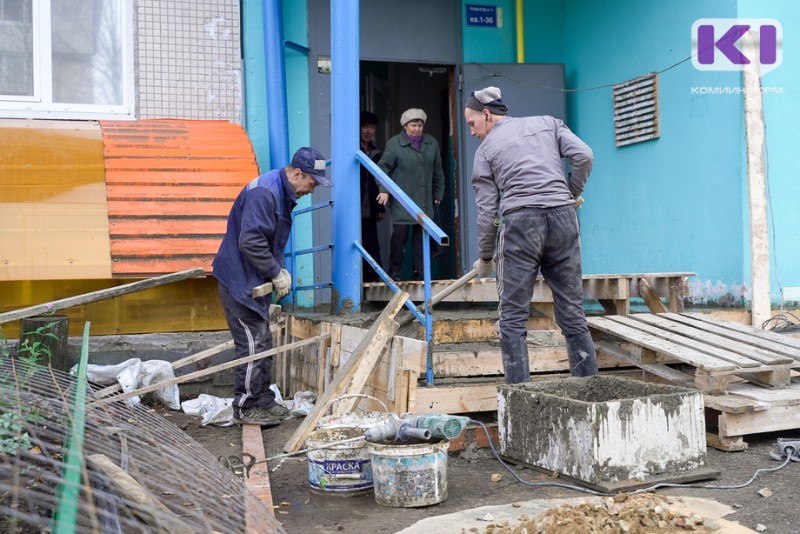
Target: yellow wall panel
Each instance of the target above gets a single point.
(187, 306)
(54, 213)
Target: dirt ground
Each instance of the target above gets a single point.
(470, 485)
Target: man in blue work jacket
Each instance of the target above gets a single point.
(251, 253)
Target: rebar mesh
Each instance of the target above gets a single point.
(36, 411)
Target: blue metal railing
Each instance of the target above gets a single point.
(429, 230)
(290, 254)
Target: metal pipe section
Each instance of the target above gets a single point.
(388, 281)
(520, 32)
(277, 114)
(346, 295)
(426, 259)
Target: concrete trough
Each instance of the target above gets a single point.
(605, 431)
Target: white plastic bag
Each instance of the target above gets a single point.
(125, 373)
(213, 410)
(134, 374)
(303, 403)
(156, 371)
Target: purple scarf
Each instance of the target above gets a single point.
(416, 140)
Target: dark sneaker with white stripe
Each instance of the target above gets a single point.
(258, 416)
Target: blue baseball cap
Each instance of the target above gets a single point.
(311, 161)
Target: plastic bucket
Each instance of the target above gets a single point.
(409, 476)
(343, 469)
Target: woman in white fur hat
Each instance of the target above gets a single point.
(413, 161)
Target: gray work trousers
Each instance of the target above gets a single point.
(534, 239)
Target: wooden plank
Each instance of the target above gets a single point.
(752, 352)
(365, 372)
(102, 294)
(658, 369)
(733, 404)
(725, 444)
(194, 358)
(144, 504)
(457, 399)
(258, 479)
(771, 420)
(728, 356)
(745, 329)
(367, 353)
(693, 357)
(210, 370)
(652, 300)
(761, 344)
(788, 396)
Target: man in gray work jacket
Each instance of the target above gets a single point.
(518, 171)
(250, 254)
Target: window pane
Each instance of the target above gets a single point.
(87, 52)
(16, 47)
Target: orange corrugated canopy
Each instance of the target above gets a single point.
(170, 185)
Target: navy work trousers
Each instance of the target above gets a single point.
(534, 239)
(251, 335)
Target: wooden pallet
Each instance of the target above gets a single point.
(720, 352)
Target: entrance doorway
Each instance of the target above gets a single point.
(388, 89)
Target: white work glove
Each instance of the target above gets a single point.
(484, 268)
(282, 283)
(579, 202)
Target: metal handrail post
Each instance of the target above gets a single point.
(426, 262)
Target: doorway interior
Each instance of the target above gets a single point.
(389, 88)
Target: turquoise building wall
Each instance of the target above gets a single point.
(295, 16)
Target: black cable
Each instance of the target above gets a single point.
(724, 487)
(789, 451)
(532, 484)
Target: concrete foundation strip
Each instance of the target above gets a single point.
(210, 370)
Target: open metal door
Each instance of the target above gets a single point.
(528, 89)
(379, 102)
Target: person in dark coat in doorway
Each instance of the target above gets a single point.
(371, 210)
(413, 161)
(251, 253)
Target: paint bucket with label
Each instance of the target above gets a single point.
(342, 469)
(409, 475)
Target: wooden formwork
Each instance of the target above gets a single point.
(393, 381)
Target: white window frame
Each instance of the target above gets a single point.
(41, 105)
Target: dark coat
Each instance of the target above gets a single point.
(417, 172)
(258, 229)
(369, 187)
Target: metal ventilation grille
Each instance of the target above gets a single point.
(636, 110)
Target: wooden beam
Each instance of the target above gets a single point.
(110, 390)
(210, 370)
(757, 192)
(652, 301)
(658, 369)
(143, 504)
(366, 355)
(102, 294)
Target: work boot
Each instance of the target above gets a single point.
(581, 355)
(515, 360)
(272, 416)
